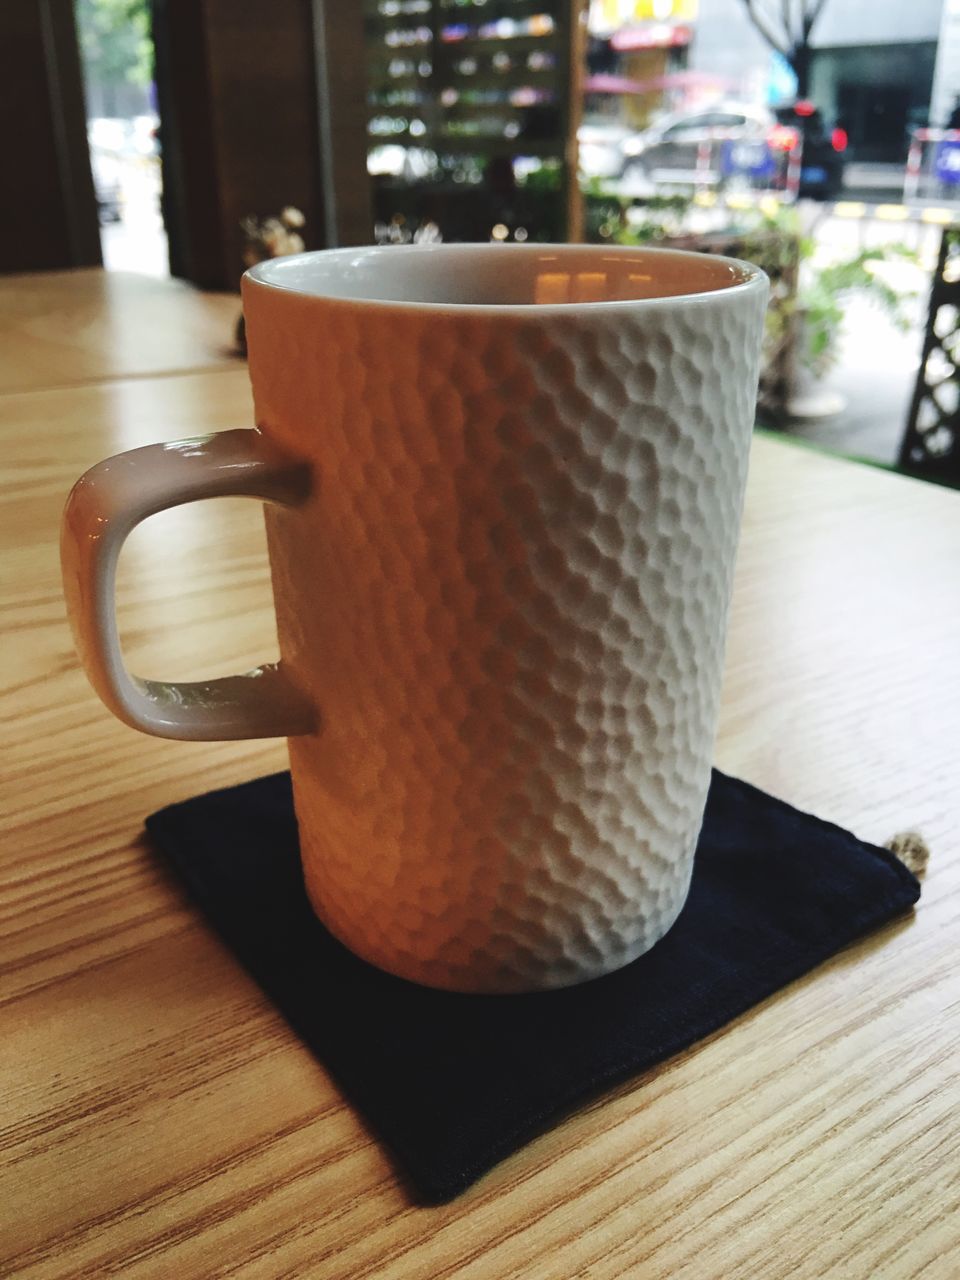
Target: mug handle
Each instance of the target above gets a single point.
(104, 506)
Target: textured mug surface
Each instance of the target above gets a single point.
(504, 487)
(506, 592)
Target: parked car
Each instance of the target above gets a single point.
(821, 163)
(106, 170)
(735, 143)
(109, 141)
(701, 147)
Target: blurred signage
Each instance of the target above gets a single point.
(754, 159)
(663, 10)
(947, 163)
(607, 15)
(653, 35)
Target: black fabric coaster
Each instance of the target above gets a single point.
(454, 1083)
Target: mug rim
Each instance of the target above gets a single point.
(745, 277)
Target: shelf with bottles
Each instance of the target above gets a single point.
(465, 60)
(468, 97)
(488, 133)
(481, 147)
(469, 212)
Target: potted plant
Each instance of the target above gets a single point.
(272, 237)
(820, 313)
(808, 296)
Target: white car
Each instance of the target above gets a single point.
(704, 146)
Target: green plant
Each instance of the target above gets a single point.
(816, 312)
(547, 177)
(664, 219)
(115, 40)
(824, 289)
(807, 297)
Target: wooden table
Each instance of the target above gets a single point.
(66, 328)
(159, 1118)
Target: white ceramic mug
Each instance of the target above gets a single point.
(504, 488)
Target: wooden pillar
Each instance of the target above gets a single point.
(48, 210)
(342, 110)
(572, 79)
(242, 127)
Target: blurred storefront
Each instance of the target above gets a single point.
(637, 59)
(873, 69)
(946, 76)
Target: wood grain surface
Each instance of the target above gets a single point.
(158, 1117)
(62, 328)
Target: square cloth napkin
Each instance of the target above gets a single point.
(453, 1083)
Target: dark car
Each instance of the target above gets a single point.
(821, 163)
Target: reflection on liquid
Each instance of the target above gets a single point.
(577, 286)
(619, 285)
